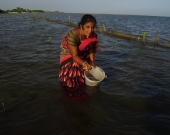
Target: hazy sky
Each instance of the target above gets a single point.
(131, 7)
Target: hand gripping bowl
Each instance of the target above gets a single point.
(94, 76)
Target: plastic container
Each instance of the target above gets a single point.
(94, 76)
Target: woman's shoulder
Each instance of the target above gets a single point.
(72, 37)
(73, 33)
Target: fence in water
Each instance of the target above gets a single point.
(143, 39)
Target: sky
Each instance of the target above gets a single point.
(128, 7)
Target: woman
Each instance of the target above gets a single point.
(77, 54)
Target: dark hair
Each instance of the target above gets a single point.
(87, 18)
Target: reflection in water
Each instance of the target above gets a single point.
(75, 93)
(81, 93)
(90, 90)
(83, 117)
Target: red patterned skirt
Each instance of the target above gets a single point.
(71, 74)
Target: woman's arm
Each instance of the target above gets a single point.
(74, 52)
(92, 56)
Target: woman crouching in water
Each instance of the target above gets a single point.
(77, 55)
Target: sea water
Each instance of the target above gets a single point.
(134, 99)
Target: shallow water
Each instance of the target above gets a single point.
(133, 99)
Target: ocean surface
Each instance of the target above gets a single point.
(134, 99)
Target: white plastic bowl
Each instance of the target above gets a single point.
(94, 76)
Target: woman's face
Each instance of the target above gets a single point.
(88, 28)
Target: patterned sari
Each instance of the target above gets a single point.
(71, 74)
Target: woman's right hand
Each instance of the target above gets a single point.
(86, 66)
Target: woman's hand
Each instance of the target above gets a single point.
(86, 66)
(93, 64)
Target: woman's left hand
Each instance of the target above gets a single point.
(93, 64)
